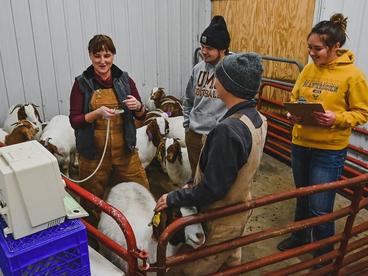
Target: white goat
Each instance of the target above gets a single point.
(177, 162)
(19, 112)
(58, 137)
(176, 129)
(148, 139)
(137, 204)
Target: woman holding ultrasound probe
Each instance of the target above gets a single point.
(319, 149)
(100, 94)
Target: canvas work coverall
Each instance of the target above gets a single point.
(118, 165)
(233, 226)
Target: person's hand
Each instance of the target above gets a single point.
(292, 118)
(132, 103)
(105, 112)
(188, 185)
(161, 203)
(327, 118)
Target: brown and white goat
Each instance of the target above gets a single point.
(23, 131)
(153, 102)
(27, 111)
(177, 162)
(137, 204)
(169, 104)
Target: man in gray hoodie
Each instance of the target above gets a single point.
(202, 107)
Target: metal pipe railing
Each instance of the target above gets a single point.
(285, 60)
(278, 143)
(163, 263)
(132, 253)
(280, 129)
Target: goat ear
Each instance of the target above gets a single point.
(161, 150)
(54, 150)
(180, 155)
(29, 135)
(158, 224)
(22, 113)
(149, 134)
(149, 131)
(37, 113)
(162, 92)
(167, 127)
(44, 124)
(156, 133)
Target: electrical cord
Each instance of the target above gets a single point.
(99, 164)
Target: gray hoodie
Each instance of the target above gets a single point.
(202, 108)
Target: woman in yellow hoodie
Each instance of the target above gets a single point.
(319, 151)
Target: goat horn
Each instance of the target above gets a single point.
(18, 105)
(18, 123)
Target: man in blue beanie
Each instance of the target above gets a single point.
(202, 107)
(228, 162)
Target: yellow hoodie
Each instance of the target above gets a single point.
(340, 87)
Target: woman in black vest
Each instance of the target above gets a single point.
(100, 94)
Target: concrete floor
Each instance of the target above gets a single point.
(272, 177)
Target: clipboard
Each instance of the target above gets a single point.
(305, 111)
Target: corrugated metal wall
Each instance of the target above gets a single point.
(357, 13)
(43, 45)
(357, 41)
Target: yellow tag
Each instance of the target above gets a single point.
(156, 219)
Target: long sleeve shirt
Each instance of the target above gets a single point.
(202, 107)
(76, 116)
(226, 150)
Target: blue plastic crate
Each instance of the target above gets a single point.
(59, 250)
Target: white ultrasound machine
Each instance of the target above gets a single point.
(32, 192)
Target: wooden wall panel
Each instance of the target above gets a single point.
(274, 28)
(277, 28)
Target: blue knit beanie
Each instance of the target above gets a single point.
(240, 74)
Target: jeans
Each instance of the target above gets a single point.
(315, 166)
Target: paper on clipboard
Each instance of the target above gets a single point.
(304, 111)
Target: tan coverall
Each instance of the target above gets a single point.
(194, 142)
(118, 165)
(233, 226)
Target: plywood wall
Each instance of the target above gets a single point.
(274, 28)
